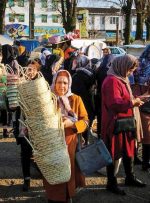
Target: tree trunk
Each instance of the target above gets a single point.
(31, 19)
(69, 14)
(147, 23)
(139, 27)
(2, 14)
(127, 28)
(126, 9)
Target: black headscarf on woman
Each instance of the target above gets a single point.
(47, 69)
(51, 60)
(7, 54)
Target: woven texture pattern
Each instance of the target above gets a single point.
(46, 131)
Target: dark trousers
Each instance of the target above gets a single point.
(146, 155)
(128, 164)
(26, 153)
(4, 117)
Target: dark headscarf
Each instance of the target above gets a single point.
(51, 60)
(7, 54)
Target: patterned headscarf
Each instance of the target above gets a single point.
(120, 67)
(63, 101)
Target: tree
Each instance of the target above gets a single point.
(31, 18)
(68, 13)
(2, 14)
(126, 9)
(125, 6)
(147, 21)
(140, 11)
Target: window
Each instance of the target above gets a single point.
(115, 51)
(44, 18)
(11, 3)
(54, 5)
(21, 3)
(11, 17)
(55, 18)
(134, 21)
(114, 20)
(20, 17)
(44, 3)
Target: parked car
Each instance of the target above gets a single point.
(134, 49)
(117, 51)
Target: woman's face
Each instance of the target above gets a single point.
(31, 71)
(62, 85)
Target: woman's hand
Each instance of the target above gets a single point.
(137, 102)
(68, 123)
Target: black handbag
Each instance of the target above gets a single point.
(127, 124)
(92, 157)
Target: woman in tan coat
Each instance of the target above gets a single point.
(75, 121)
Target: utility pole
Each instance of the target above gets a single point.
(31, 18)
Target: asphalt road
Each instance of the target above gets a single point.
(94, 192)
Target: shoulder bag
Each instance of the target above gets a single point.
(93, 157)
(127, 124)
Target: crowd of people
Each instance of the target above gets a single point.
(85, 90)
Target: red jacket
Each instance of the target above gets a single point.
(116, 103)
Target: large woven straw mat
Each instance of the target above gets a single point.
(37, 87)
(45, 111)
(43, 98)
(47, 122)
(56, 170)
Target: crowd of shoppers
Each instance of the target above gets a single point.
(85, 92)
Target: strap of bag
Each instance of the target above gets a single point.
(78, 148)
(79, 145)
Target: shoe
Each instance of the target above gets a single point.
(137, 161)
(133, 181)
(5, 133)
(26, 185)
(115, 189)
(145, 167)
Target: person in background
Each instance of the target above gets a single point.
(22, 56)
(118, 102)
(145, 118)
(8, 57)
(75, 121)
(3, 112)
(44, 53)
(101, 74)
(68, 49)
(21, 132)
(83, 83)
(50, 68)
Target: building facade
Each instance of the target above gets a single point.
(104, 18)
(47, 19)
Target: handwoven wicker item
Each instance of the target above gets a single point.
(12, 83)
(46, 131)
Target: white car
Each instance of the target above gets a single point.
(117, 51)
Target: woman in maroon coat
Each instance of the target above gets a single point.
(117, 102)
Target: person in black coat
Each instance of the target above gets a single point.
(83, 81)
(47, 69)
(101, 73)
